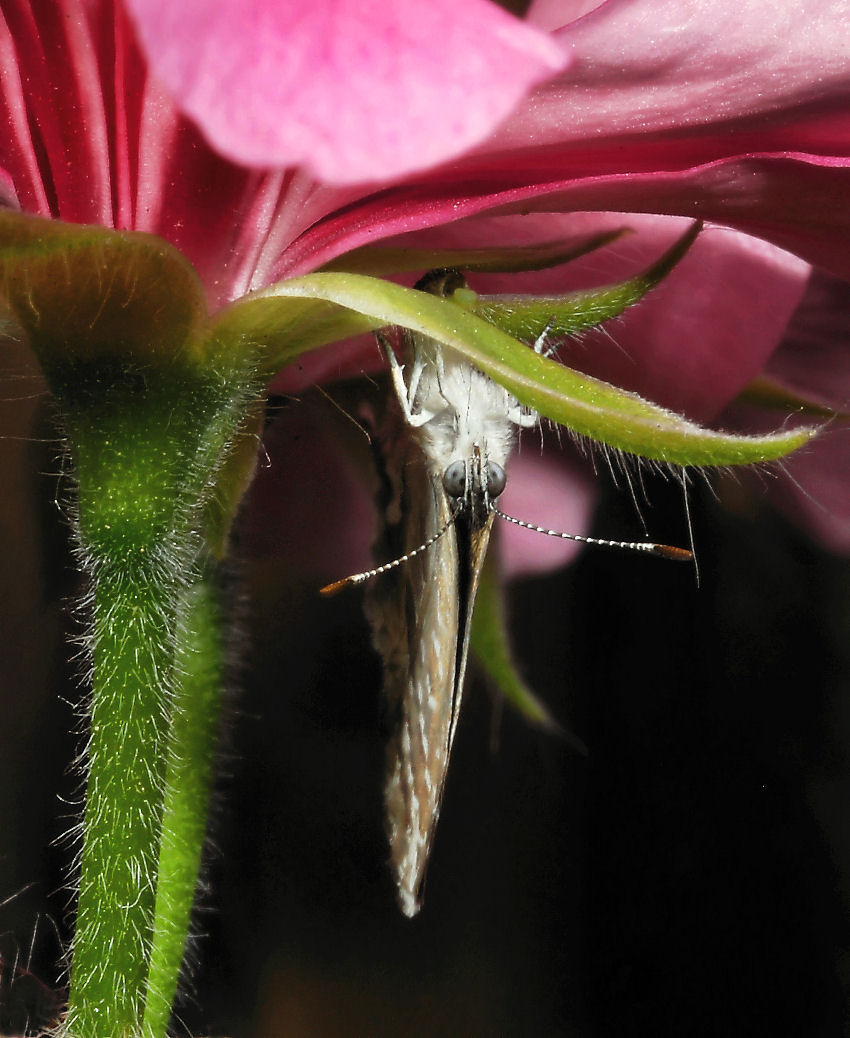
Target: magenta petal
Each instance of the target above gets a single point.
(814, 358)
(681, 107)
(645, 68)
(553, 491)
(8, 195)
(52, 108)
(799, 202)
(355, 91)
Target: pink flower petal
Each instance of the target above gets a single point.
(643, 69)
(800, 203)
(554, 491)
(678, 107)
(139, 165)
(554, 14)
(355, 91)
(814, 357)
(52, 109)
(8, 195)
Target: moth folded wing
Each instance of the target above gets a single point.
(474, 542)
(413, 610)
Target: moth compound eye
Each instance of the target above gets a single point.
(454, 479)
(496, 479)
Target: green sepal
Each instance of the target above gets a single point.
(588, 406)
(768, 393)
(526, 317)
(152, 399)
(234, 476)
(192, 747)
(281, 326)
(86, 293)
(377, 260)
(490, 645)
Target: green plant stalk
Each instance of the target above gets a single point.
(157, 411)
(191, 755)
(147, 447)
(134, 609)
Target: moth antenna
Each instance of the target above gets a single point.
(662, 551)
(359, 578)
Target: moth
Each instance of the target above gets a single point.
(445, 450)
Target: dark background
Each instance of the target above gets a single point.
(690, 876)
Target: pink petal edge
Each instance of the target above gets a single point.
(354, 91)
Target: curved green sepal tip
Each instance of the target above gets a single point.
(233, 477)
(588, 406)
(193, 743)
(527, 317)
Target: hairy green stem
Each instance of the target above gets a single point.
(134, 619)
(193, 744)
(148, 448)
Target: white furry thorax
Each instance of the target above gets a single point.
(465, 409)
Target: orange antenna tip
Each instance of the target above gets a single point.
(335, 587)
(667, 551)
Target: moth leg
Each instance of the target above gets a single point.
(540, 342)
(522, 416)
(440, 362)
(404, 394)
(415, 376)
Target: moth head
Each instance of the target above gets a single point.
(459, 479)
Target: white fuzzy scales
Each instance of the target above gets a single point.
(454, 408)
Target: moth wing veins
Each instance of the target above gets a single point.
(413, 612)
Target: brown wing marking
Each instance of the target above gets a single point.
(414, 615)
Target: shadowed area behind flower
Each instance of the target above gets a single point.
(580, 896)
(614, 894)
